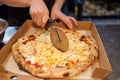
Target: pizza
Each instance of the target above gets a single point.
(36, 54)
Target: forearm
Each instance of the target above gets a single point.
(16, 3)
(58, 4)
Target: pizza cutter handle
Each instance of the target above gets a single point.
(49, 23)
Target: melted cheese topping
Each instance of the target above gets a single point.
(41, 51)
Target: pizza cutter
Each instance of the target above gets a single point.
(57, 36)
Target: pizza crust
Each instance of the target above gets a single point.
(55, 72)
(28, 68)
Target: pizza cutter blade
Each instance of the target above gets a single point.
(58, 37)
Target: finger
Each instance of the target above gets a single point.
(33, 18)
(53, 18)
(39, 21)
(67, 22)
(36, 19)
(44, 20)
(73, 20)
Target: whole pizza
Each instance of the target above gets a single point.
(36, 54)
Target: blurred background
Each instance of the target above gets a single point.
(92, 10)
(105, 14)
(97, 11)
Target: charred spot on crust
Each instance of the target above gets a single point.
(32, 37)
(89, 48)
(82, 70)
(82, 38)
(95, 47)
(58, 66)
(66, 74)
(21, 67)
(23, 38)
(46, 79)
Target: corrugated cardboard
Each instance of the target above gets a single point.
(99, 70)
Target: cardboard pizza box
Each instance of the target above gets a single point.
(99, 70)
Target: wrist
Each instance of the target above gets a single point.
(35, 2)
(28, 2)
(58, 4)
